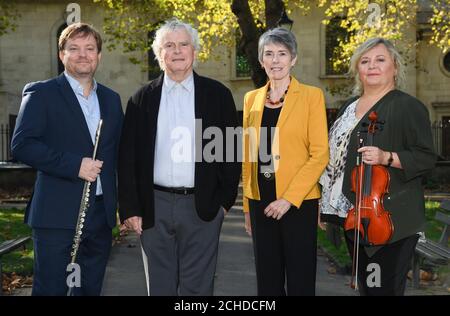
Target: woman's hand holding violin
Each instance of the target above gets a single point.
(374, 156)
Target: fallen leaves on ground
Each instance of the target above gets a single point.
(331, 270)
(424, 275)
(13, 281)
(15, 194)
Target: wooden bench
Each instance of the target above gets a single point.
(436, 253)
(7, 247)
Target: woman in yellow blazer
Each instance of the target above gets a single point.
(285, 151)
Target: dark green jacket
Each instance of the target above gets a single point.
(407, 132)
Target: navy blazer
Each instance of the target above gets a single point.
(52, 136)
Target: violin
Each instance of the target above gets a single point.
(368, 223)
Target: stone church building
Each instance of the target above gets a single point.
(30, 54)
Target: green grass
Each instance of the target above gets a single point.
(434, 228)
(115, 232)
(340, 256)
(434, 232)
(11, 227)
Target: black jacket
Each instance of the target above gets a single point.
(406, 131)
(215, 182)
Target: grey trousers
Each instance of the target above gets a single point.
(181, 248)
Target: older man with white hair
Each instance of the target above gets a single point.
(169, 193)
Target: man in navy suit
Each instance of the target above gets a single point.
(55, 134)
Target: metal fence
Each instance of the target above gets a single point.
(5, 143)
(441, 138)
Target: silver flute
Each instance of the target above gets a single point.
(84, 205)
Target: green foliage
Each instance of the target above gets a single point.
(242, 66)
(340, 255)
(11, 227)
(8, 16)
(116, 232)
(440, 24)
(434, 228)
(129, 23)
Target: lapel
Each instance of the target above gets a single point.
(200, 103)
(258, 109)
(103, 104)
(74, 106)
(152, 100)
(290, 101)
(199, 97)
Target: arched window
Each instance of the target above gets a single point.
(333, 34)
(241, 67)
(445, 63)
(153, 67)
(58, 33)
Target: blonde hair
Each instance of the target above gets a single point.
(399, 78)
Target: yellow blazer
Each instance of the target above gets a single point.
(300, 147)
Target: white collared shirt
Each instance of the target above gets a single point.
(175, 137)
(91, 110)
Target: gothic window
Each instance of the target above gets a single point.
(153, 67)
(241, 64)
(446, 63)
(334, 33)
(58, 33)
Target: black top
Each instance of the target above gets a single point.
(266, 185)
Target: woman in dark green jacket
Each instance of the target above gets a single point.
(404, 146)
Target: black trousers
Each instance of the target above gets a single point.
(285, 249)
(394, 262)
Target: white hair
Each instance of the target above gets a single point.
(170, 26)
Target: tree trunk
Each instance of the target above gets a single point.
(250, 33)
(274, 9)
(249, 41)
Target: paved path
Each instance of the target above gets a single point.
(235, 275)
(236, 270)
